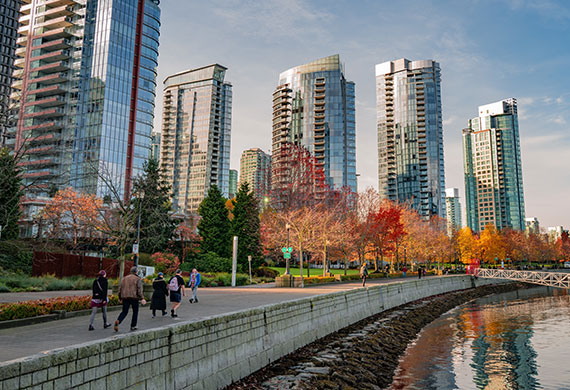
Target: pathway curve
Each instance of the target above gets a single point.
(28, 340)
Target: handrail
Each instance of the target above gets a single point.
(551, 279)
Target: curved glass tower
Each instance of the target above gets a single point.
(88, 70)
(313, 106)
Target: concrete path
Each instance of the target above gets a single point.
(28, 340)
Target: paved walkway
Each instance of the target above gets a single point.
(28, 340)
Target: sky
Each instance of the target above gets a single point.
(488, 50)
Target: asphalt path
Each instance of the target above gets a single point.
(213, 301)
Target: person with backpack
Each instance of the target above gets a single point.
(100, 299)
(176, 288)
(158, 301)
(193, 283)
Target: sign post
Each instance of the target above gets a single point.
(249, 261)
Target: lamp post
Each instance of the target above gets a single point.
(287, 272)
(138, 233)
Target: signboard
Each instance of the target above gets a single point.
(287, 252)
(135, 249)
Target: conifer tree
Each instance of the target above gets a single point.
(245, 225)
(214, 227)
(10, 194)
(152, 199)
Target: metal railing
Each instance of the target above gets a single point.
(552, 279)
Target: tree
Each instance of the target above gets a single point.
(10, 195)
(72, 216)
(387, 227)
(214, 227)
(491, 246)
(467, 245)
(245, 225)
(152, 202)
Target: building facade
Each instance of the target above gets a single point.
(452, 210)
(87, 77)
(410, 135)
(233, 186)
(9, 15)
(196, 130)
(492, 167)
(255, 169)
(313, 107)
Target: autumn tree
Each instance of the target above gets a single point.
(387, 228)
(467, 245)
(72, 216)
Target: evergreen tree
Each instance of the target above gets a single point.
(152, 200)
(10, 194)
(214, 227)
(245, 225)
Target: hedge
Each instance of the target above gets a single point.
(26, 309)
(318, 279)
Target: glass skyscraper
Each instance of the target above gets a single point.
(255, 169)
(9, 14)
(233, 187)
(88, 70)
(452, 210)
(493, 169)
(410, 135)
(314, 107)
(196, 131)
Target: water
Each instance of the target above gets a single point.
(517, 340)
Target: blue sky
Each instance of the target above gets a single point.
(488, 51)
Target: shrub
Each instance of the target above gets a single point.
(209, 262)
(165, 262)
(265, 272)
(318, 280)
(26, 309)
(15, 257)
(146, 259)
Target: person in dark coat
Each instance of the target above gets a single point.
(158, 301)
(99, 299)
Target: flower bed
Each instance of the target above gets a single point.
(26, 309)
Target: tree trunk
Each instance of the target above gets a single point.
(301, 264)
(325, 262)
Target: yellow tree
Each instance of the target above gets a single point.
(467, 245)
(491, 245)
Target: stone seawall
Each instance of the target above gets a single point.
(215, 352)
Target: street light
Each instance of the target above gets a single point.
(287, 226)
(138, 233)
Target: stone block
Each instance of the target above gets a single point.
(99, 384)
(26, 380)
(88, 350)
(38, 377)
(35, 363)
(46, 386)
(11, 383)
(94, 361)
(117, 380)
(77, 379)
(9, 370)
(82, 364)
(62, 383)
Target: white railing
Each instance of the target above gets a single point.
(552, 279)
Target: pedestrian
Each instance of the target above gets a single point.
(158, 301)
(387, 269)
(404, 270)
(176, 288)
(363, 274)
(419, 272)
(100, 299)
(193, 283)
(130, 293)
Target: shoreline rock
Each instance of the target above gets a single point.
(364, 355)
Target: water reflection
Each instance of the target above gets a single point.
(508, 341)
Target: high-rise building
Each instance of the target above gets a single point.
(233, 186)
(196, 130)
(313, 106)
(9, 11)
(492, 167)
(410, 135)
(87, 88)
(255, 169)
(452, 210)
(555, 232)
(532, 225)
(155, 145)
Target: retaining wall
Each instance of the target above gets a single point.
(213, 353)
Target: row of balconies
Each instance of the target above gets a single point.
(49, 113)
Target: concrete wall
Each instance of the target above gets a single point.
(212, 353)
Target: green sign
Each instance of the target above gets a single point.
(287, 252)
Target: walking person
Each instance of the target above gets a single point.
(404, 270)
(158, 301)
(193, 283)
(176, 288)
(130, 293)
(363, 274)
(100, 299)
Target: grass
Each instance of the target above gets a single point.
(316, 271)
(19, 283)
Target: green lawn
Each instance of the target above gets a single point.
(315, 271)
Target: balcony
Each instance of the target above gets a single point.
(60, 22)
(40, 174)
(52, 68)
(48, 102)
(53, 78)
(56, 3)
(57, 44)
(44, 139)
(52, 56)
(62, 10)
(24, 31)
(38, 163)
(20, 63)
(49, 126)
(50, 113)
(54, 34)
